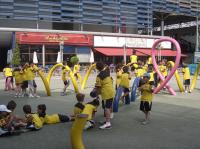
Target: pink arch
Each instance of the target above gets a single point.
(178, 57)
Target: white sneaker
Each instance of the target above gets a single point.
(30, 96)
(105, 126)
(111, 115)
(36, 96)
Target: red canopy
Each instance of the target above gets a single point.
(147, 52)
(114, 51)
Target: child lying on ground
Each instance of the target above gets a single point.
(51, 119)
(32, 119)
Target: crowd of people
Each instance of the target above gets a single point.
(104, 89)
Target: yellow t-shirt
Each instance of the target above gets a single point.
(89, 109)
(8, 72)
(163, 70)
(149, 61)
(186, 73)
(133, 58)
(151, 76)
(125, 80)
(118, 77)
(29, 73)
(51, 119)
(18, 75)
(139, 72)
(64, 75)
(146, 92)
(105, 83)
(76, 68)
(78, 108)
(36, 120)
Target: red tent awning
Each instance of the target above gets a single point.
(147, 52)
(114, 51)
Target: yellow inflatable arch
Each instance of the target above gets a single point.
(71, 75)
(42, 76)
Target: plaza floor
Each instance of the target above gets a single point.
(175, 122)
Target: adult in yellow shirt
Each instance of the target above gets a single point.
(8, 78)
(125, 83)
(104, 86)
(186, 78)
(146, 97)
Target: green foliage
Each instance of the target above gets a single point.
(16, 60)
(74, 60)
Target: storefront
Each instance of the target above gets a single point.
(47, 46)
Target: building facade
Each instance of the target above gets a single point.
(91, 15)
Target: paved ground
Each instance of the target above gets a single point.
(175, 123)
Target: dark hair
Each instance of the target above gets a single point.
(11, 105)
(43, 108)
(125, 69)
(95, 102)
(27, 109)
(80, 97)
(100, 66)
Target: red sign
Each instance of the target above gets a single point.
(53, 38)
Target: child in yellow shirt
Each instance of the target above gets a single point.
(51, 119)
(186, 78)
(18, 75)
(32, 119)
(125, 83)
(9, 78)
(118, 75)
(65, 79)
(146, 97)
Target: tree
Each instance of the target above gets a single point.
(74, 60)
(16, 60)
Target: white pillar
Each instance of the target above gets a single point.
(162, 27)
(43, 55)
(197, 35)
(125, 53)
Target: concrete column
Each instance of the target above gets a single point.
(197, 35)
(43, 55)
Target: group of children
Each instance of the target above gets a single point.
(10, 124)
(24, 78)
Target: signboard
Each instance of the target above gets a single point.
(53, 38)
(106, 41)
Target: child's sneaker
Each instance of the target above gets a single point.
(106, 126)
(112, 115)
(30, 96)
(145, 122)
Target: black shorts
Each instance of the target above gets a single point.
(66, 82)
(145, 106)
(151, 82)
(34, 84)
(63, 118)
(187, 82)
(107, 104)
(25, 84)
(126, 90)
